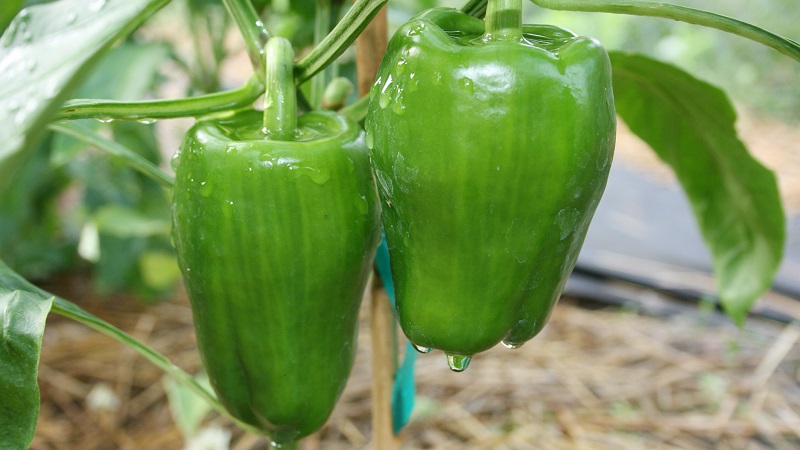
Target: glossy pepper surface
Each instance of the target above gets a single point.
(275, 239)
(492, 145)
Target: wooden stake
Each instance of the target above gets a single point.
(370, 47)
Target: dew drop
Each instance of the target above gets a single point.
(205, 188)
(423, 350)
(416, 29)
(512, 344)
(369, 139)
(30, 65)
(401, 66)
(399, 105)
(147, 121)
(467, 84)
(413, 85)
(71, 18)
(385, 96)
(458, 363)
(105, 120)
(175, 161)
(383, 100)
(227, 211)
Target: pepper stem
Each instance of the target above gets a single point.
(503, 20)
(280, 98)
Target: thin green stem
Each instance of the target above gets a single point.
(339, 39)
(86, 135)
(503, 20)
(280, 99)
(475, 8)
(72, 311)
(162, 109)
(683, 14)
(251, 27)
(356, 111)
(322, 25)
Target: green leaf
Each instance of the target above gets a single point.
(45, 53)
(159, 269)
(20, 424)
(119, 221)
(690, 125)
(188, 409)
(8, 9)
(22, 319)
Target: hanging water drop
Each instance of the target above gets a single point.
(423, 350)
(146, 121)
(458, 363)
(512, 345)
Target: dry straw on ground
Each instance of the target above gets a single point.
(594, 379)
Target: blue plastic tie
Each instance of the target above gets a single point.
(403, 391)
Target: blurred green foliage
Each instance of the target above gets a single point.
(757, 78)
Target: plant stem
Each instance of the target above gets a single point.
(135, 160)
(339, 39)
(680, 13)
(503, 20)
(322, 24)
(280, 99)
(357, 110)
(162, 109)
(251, 27)
(72, 311)
(475, 8)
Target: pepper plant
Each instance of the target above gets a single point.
(490, 145)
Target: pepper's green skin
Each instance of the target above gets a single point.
(276, 241)
(490, 157)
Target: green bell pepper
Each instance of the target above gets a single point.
(491, 142)
(276, 225)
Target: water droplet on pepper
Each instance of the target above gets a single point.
(458, 363)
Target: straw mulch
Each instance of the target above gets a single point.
(594, 379)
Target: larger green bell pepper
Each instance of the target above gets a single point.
(492, 144)
(275, 235)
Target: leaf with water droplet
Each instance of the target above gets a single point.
(64, 53)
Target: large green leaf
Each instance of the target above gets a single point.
(23, 308)
(690, 125)
(45, 53)
(22, 319)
